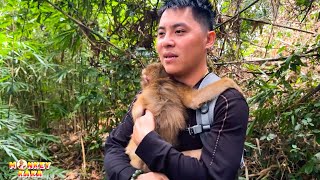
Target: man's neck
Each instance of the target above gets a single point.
(191, 79)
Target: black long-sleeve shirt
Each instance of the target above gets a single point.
(220, 157)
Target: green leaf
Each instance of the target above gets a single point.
(9, 152)
(318, 139)
(317, 156)
(309, 168)
(248, 144)
(297, 127)
(282, 49)
(263, 138)
(271, 136)
(41, 154)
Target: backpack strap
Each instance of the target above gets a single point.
(205, 114)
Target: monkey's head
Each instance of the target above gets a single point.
(152, 72)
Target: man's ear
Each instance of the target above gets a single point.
(211, 37)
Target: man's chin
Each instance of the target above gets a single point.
(170, 70)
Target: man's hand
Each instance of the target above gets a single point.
(142, 126)
(153, 176)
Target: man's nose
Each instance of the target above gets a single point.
(168, 41)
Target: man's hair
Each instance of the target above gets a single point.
(201, 10)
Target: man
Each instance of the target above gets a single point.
(185, 33)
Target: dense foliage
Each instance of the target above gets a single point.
(73, 66)
(19, 142)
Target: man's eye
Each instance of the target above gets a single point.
(161, 33)
(180, 31)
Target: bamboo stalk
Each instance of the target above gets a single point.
(83, 155)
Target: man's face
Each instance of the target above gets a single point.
(181, 42)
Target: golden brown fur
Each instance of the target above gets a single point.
(167, 100)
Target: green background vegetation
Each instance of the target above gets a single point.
(70, 68)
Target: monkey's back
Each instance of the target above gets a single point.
(164, 101)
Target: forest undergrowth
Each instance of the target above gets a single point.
(70, 69)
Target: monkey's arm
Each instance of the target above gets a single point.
(195, 98)
(138, 107)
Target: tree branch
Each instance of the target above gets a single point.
(307, 11)
(304, 98)
(264, 60)
(236, 15)
(277, 25)
(313, 49)
(81, 25)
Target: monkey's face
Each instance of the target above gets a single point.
(151, 73)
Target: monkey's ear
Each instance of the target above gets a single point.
(145, 79)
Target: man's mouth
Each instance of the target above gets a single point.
(170, 56)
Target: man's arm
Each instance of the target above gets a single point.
(220, 157)
(116, 162)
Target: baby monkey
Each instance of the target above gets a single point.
(167, 100)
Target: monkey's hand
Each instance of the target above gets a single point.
(195, 102)
(196, 105)
(193, 153)
(137, 111)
